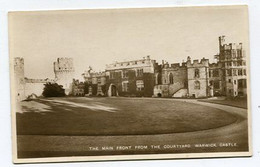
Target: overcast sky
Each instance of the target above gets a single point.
(99, 37)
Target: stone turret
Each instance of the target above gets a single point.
(19, 78)
(198, 74)
(64, 73)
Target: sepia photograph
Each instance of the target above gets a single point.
(136, 83)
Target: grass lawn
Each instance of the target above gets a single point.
(115, 116)
(240, 102)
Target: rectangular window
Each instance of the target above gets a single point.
(229, 80)
(216, 85)
(99, 80)
(241, 83)
(215, 73)
(139, 72)
(197, 73)
(99, 89)
(125, 74)
(118, 74)
(125, 86)
(112, 75)
(239, 53)
(234, 72)
(244, 71)
(240, 72)
(229, 72)
(139, 85)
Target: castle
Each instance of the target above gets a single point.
(193, 79)
(145, 77)
(26, 87)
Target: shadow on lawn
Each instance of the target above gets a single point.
(56, 117)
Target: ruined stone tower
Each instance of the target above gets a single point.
(19, 78)
(64, 73)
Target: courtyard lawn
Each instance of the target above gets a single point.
(239, 102)
(116, 116)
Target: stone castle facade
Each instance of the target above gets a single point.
(147, 78)
(193, 79)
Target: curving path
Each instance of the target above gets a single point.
(230, 138)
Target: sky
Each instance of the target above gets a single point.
(99, 37)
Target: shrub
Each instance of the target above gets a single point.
(53, 90)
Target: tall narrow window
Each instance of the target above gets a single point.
(240, 72)
(125, 74)
(229, 72)
(90, 90)
(197, 73)
(139, 85)
(234, 72)
(125, 86)
(244, 71)
(139, 72)
(159, 79)
(112, 75)
(215, 73)
(196, 85)
(171, 78)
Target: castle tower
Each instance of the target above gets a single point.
(232, 59)
(198, 75)
(221, 41)
(19, 78)
(64, 73)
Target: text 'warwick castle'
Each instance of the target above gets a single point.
(147, 78)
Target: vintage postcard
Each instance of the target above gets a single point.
(121, 84)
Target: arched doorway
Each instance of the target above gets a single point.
(112, 90)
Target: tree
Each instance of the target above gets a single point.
(53, 90)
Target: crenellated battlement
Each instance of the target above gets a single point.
(64, 65)
(19, 67)
(77, 82)
(229, 46)
(64, 72)
(18, 61)
(174, 66)
(196, 63)
(232, 46)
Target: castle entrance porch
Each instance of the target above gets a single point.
(112, 90)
